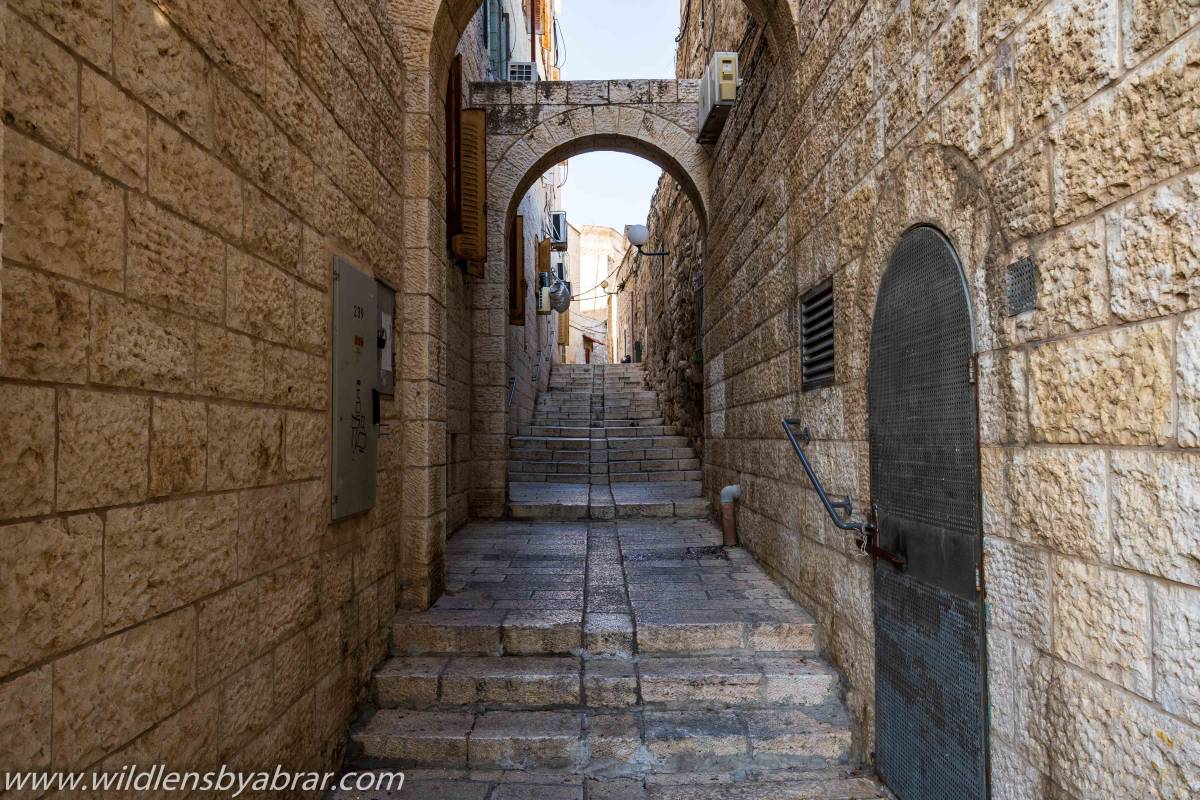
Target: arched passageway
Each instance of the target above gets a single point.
(531, 127)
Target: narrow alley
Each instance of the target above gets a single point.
(625, 655)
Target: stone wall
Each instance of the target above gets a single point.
(1065, 130)
(663, 290)
(177, 177)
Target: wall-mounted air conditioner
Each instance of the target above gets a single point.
(558, 231)
(522, 71)
(718, 94)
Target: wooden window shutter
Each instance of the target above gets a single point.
(544, 248)
(471, 244)
(517, 285)
(564, 327)
(454, 104)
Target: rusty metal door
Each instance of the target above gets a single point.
(930, 673)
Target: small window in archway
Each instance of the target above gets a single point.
(816, 337)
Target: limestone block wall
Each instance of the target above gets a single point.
(665, 295)
(1065, 130)
(177, 176)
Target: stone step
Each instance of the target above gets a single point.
(696, 631)
(649, 441)
(652, 464)
(555, 432)
(530, 682)
(562, 443)
(555, 477)
(808, 784)
(620, 743)
(674, 476)
(551, 467)
(491, 632)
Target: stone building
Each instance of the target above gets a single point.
(594, 254)
(179, 177)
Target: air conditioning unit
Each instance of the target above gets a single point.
(718, 94)
(543, 293)
(522, 71)
(558, 231)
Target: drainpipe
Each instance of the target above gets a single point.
(729, 495)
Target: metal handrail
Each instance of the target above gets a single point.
(865, 531)
(512, 390)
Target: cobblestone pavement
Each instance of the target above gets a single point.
(608, 659)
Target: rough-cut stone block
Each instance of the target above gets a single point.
(113, 690)
(1071, 277)
(1018, 585)
(245, 447)
(289, 600)
(25, 714)
(245, 705)
(43, 328)
(103, 449)
(42, 87)
(112, 130)
(173, 264)
(1102, 623)
(160, 67)
(268, 530)
(261, 299)
(194, 183)
(26, 451)
(178, 446)
(306, 444)
(524, 740)
(1156, 513)
(1064, 54)
(186, 740)
(160, 556)
(1113, 387)
(1059, 501)
(60, 217)
(1177, 649)
(271, 230)
(229, 365)
(1187, 380)
(1149, 24)
(423, 738)
(1153, 255)
(141, 347)
(52, 595)
(223, 643)
(1128, 138)
(84, 26)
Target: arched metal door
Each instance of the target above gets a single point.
(930, 674)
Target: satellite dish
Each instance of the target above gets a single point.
(560, 296)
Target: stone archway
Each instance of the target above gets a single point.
(531, 127)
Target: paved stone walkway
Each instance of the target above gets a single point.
(596, 660)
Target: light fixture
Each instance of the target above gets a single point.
(639, 237)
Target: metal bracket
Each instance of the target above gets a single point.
(512, 389)
(865, 532)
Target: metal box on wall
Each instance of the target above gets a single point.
(356, 371)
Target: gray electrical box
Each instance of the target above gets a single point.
(356, 350)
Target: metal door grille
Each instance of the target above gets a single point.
(931, 739)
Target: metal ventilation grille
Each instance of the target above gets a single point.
(816, 338)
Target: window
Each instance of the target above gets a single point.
(517, 285)
(816, 338)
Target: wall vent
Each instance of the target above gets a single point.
(1021, 281)
(816, 338)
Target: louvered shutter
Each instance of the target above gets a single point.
(564, 327)
(471, 244)
(517, 285)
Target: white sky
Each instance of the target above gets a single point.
(615, 39)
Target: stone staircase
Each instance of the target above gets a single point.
(622, 660)
(597, 447)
